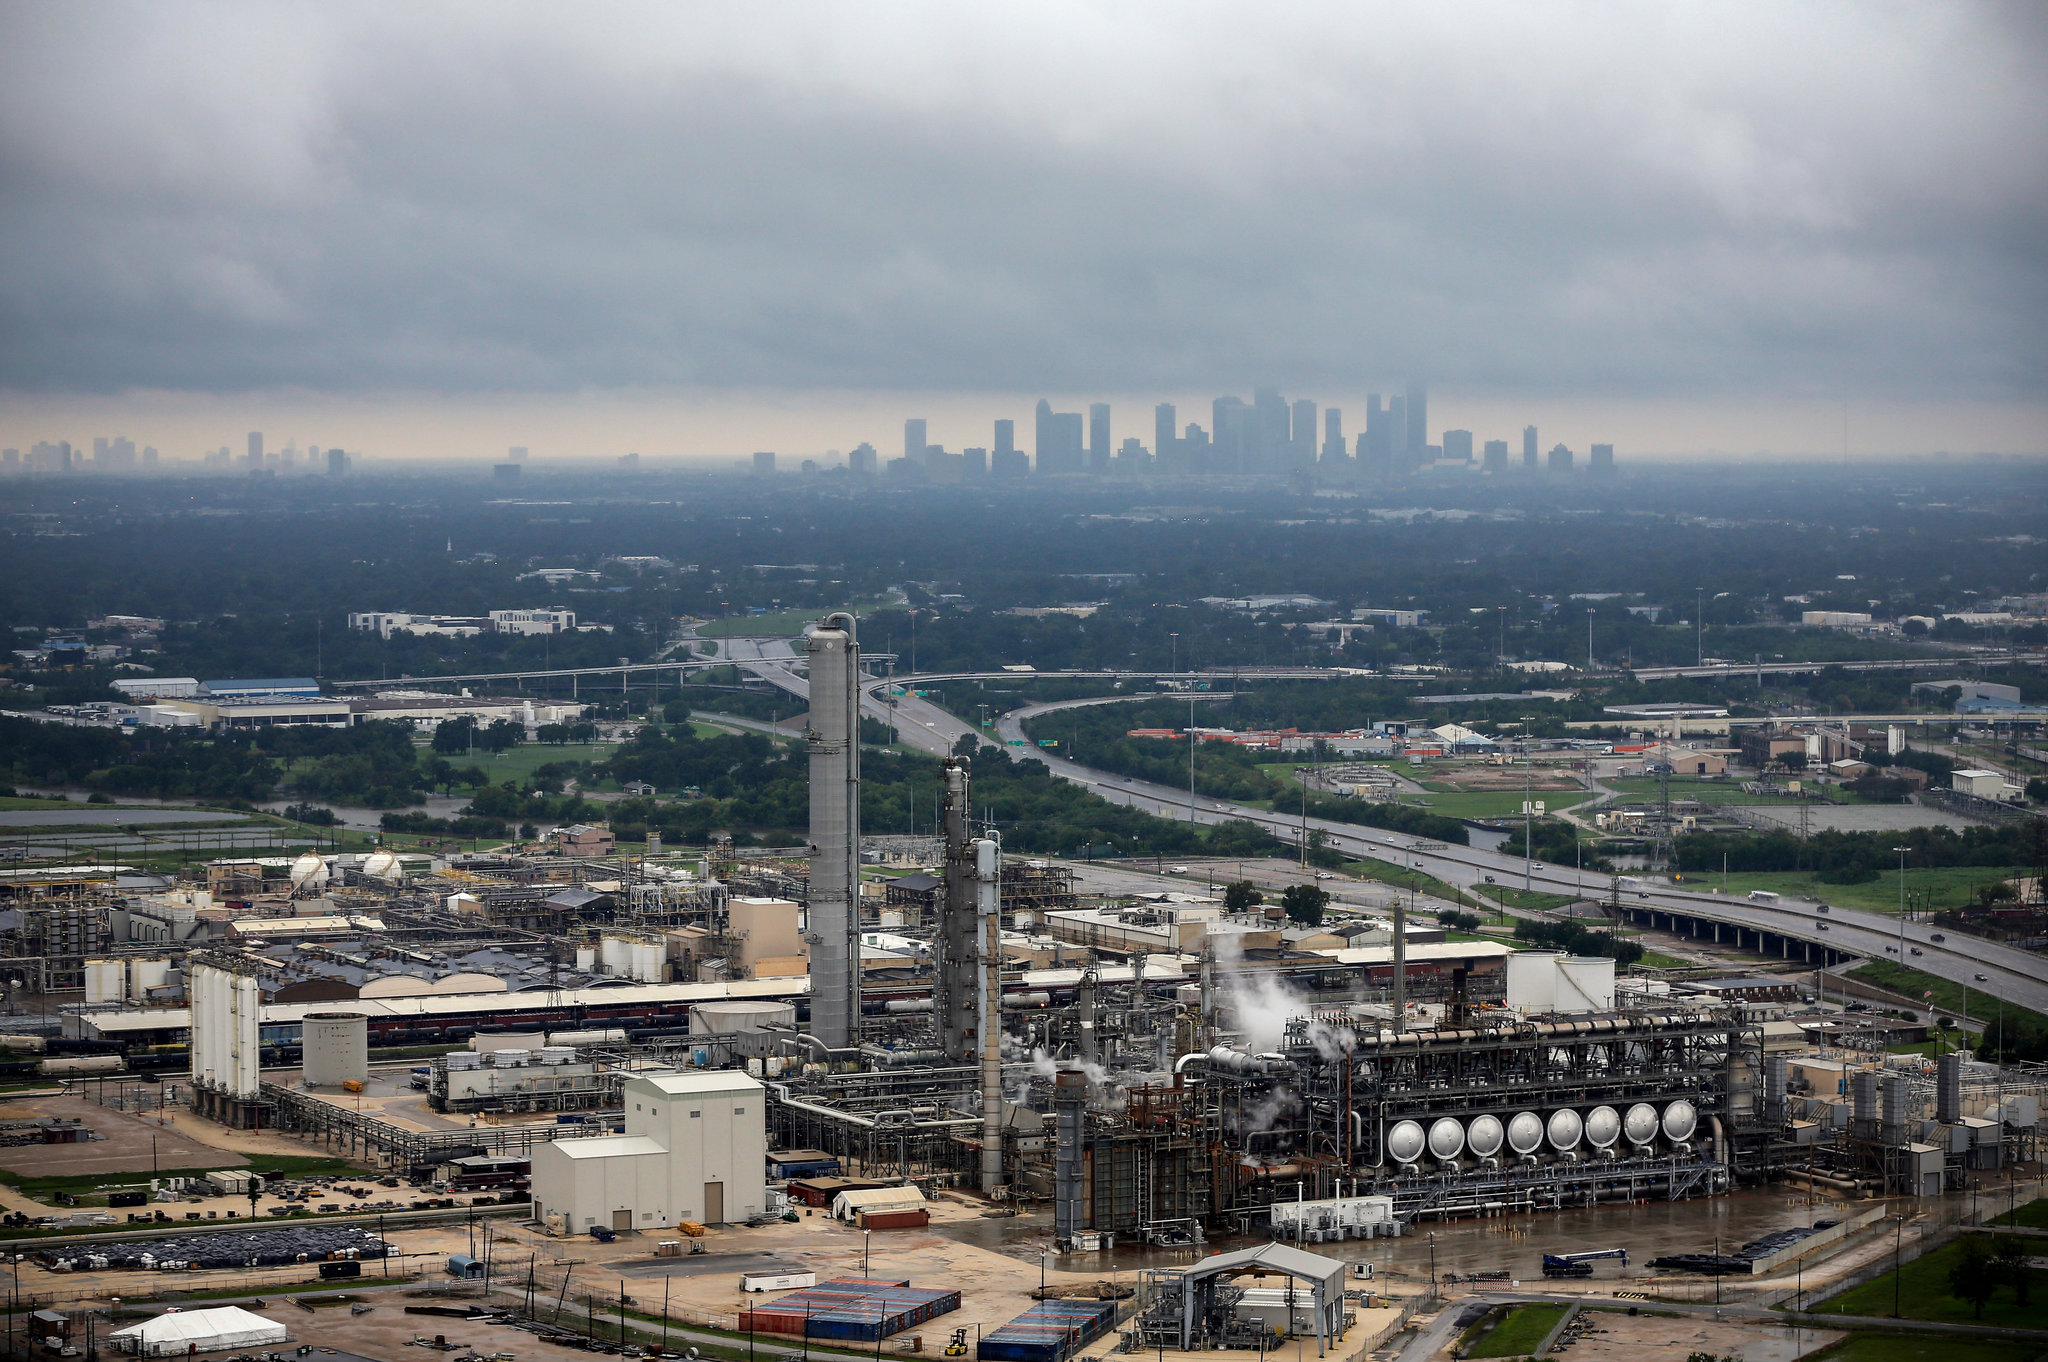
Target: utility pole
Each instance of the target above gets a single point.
(1902, 903)
(1528, 844)
(1191, 758)
(1699, 620)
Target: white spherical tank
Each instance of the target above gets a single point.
(336, 1047)
(1446, 1138)
(1680, 1120)
(733, 1016)
(1404, 1141)
(1564, 1129)
(1640, 1125)
(382, 864)
(1603, 1127)
(1525, 1132)
(1484, 1136)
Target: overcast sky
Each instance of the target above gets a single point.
(706, 229)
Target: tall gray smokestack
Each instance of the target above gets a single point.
(957, 943)
(833, 909)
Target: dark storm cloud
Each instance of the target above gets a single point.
(1820, 199)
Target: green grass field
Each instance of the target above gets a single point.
(1452, 803)
(1951, 886)
(1926, 1348)
(1528, 901)
(1922, 1292)
(2033, 1216)
(1520, 1332)
(517, 763)
(1393, 875)
(781, 623)
(1948, 996)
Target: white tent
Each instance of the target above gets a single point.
(847, 1205)
(183, 1331)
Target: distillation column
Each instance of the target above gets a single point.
(833, 910)
(988, 1011)
(957, 944)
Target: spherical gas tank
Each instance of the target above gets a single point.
(1525, 1132)
(1640, 1125)
(1565, 1128)
(1446, 1138)
(1484, 1136)
(1680, 1121)
(1405, 1142)
(1603, 1127)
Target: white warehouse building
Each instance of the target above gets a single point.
(695, 1148)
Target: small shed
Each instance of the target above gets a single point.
(463, 1266)
(876, 1201)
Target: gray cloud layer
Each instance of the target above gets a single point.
(1810, 199)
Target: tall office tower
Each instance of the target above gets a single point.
(914, 440)
(1043, 439)
(833, 912)
(255, 449)
(861, 462)
(1302, 432)
(1098, 437)
(1194, 449)
(1418, 421)
(1603, 459)
(1059, 439)
(974, 463)
(1372, 444)
(1458, 445)
(517, 454)
(1165, 446)
(1268, 433)
(1006, 436)
(1529, 447)
(337, 462)
(1226, 434)
(1333, 434)
(1560, 459)
(1397, 435)
(99, 449)
(1497, 456)
(764, 463)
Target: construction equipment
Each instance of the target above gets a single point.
(1579, 1264)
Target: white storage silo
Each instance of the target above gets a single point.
(586, 959)
(1585, 983)
(735, 1015)
(337, 1048)
(106, 981)
(1532, 981)
(145, 974)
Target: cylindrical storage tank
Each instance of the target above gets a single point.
(776, 1065)
(586, 959)
(734, 1016)
(1680, 1120)
(144, 975)
(464, 1059)
(1405, 1141)
(106, 981)
(647, 962)
(337, 1048)
(558, 1054)
(1640, 1125)
(1603, 1127)
(1483, 1137)
(1525, 1130)
(1564, 1129)
(1585, 983)
(1532, 981)
(1446, 1138)
(507, 1040)
(510, 1059)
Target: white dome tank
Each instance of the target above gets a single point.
(308, 869)
(1525, 1132)
(1680, 1120)
(729, 1016)
(1640, 1125)
(1603, 1127)
(1446, 1138)
(382, 864)
(1404, 1141)
(1483, 1137)
(1565, 1128)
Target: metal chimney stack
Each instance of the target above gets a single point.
(956, 943)
(1776, 1080)
(833, 909)
(1948, 1089)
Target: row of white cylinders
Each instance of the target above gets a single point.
(1526, 1132)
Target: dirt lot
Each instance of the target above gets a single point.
(1478, 778)
(1627, 1338)
(125, 1149)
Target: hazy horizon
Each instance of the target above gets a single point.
(693, 232)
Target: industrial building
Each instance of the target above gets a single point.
(694, 1149)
